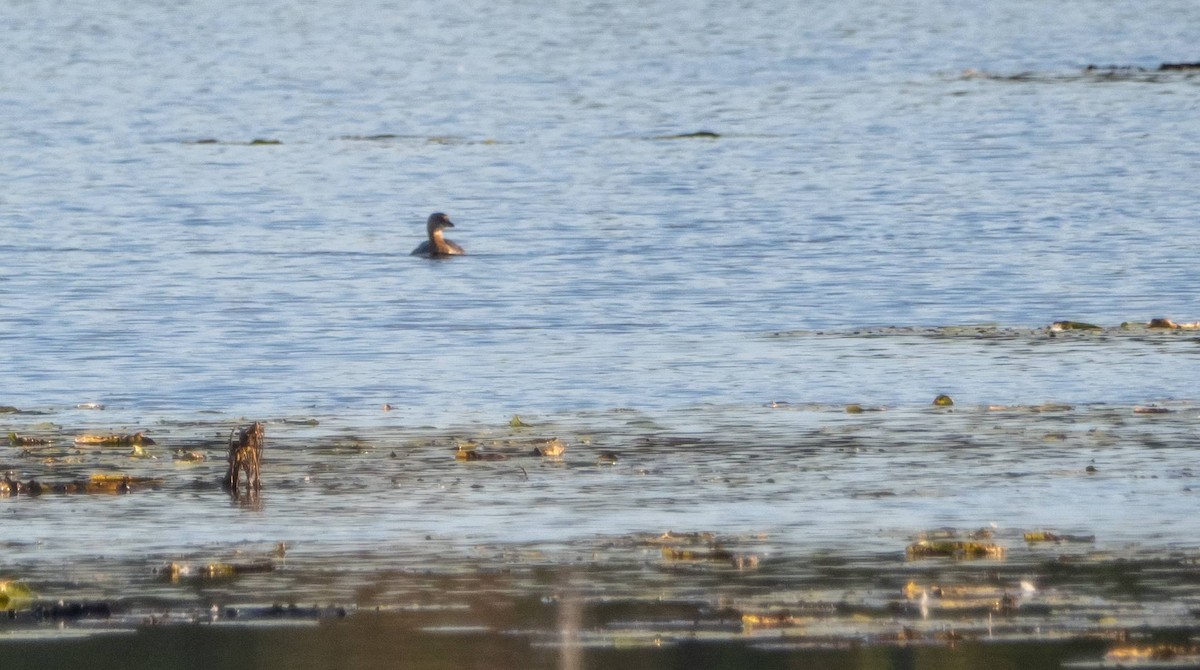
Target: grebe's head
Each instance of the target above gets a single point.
(438, 221)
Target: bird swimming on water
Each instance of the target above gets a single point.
(437, 245)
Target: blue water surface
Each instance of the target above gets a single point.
(874, 167)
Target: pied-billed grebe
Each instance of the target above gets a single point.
(437, 244)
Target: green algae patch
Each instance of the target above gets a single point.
(516, 422)
(943, 400)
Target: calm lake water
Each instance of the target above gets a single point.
(676, 214)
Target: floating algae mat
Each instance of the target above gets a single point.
(1051, 531)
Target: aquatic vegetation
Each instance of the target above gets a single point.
(176, 572)
(943, 400)
(959, 599)
(782, 619)
(951, 586)
(553, 448)
(120, 483)
(516, 422)
(98, 483)
(113, 440)
(27, 440)
(1139, 654)
(473, 454)
(245, 456)
(1059, 326)
(695, 554)
(961, 549)
(1046, 536)
(15, 596)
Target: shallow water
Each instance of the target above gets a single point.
(647, 533)
(880, 174)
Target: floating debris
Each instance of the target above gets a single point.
(184, 456)
(671, 537)
(89, 405)
(473, 454)
(716, 554)
(114, 440)
(953, 549)
(119, 483)
(1164, 652)
(1037, 536)
(553, 448)
(15, 596)
(782, 619)
(1151, 410)
(1059, 326)
(26, 440)
(606, 458)
(177, 571)
(99, 483)
(943, 400)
